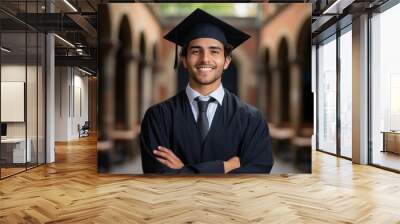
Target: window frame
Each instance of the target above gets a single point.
(333, 37)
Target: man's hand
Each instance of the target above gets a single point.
(168, 158)
(231, 164)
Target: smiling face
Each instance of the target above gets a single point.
(205, 61)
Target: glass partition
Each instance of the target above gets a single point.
(22, 79)
(385, 89)
(13, 108)
(346, 92)
(327, 95)
(41, 91)
(31, 99)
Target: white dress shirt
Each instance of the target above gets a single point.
(217, 94)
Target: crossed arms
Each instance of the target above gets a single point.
(255, 154)
(169, 159)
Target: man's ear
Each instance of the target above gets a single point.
(228, 60)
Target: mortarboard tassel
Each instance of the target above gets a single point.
(176, 56)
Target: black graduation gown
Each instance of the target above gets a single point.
(237, 129)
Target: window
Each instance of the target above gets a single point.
(346, 92)
(385, 89)
(327, 95)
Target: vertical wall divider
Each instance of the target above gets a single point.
(37, 90)
(369, 78)
(316, 97)
(338, 98)
(26, 87)
(44, 76)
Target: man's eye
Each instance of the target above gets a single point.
(195, 51)
(215, 52)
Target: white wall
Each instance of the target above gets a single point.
(15, 73)
(71, 94)
(32, 105)
(61, 103)
(80, 112)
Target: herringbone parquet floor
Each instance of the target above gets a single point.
(71, 191)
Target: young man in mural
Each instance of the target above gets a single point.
(205, 128)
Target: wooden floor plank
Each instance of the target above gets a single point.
(71, 191)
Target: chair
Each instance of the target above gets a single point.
(84, 130)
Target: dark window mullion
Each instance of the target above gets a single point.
(37, 90)
(369, 100)
(317, 97)
(46, 35)
(338, 98)
(26, 87)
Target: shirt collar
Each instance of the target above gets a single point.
(217, 94)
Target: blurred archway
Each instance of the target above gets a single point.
(284, 82)
(121, 74)
(304, 61)
(122, 128)
(267, 83)
(141, 73)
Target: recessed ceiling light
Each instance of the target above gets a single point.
(70, 5)
(337, 7)
(65, 41)
(84, 71)
(5, 50)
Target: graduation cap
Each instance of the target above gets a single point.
(200, 24)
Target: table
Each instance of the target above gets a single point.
(15, 148)
(391, 141)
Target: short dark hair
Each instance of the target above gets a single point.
(227, 50)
